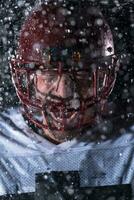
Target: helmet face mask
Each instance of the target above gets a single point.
(63, 91)
(59, 80)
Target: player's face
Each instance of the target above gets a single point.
(62, 96)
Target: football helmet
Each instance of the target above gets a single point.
(68, 45)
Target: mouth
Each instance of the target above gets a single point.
(67, 114)
(62, 116)
(61, 113)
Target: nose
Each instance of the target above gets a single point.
(64, 87)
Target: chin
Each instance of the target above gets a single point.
(62, 135)
(72, 128)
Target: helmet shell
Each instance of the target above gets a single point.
(64, 26)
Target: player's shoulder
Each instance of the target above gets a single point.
(14, 132)
(11, 119)
(117, 132)
(17, 137)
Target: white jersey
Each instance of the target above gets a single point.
(23, 153)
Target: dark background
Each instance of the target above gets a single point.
(118, 13)
(120, 16)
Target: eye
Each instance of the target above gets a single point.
(83, 75)
(48, 76)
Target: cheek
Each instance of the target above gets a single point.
(85, 86)
(42, 85)
(90, 114)
(87, 91)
